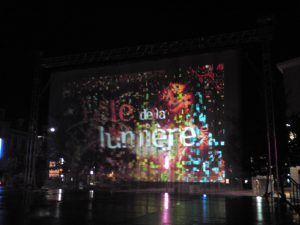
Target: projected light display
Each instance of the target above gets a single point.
(155, 125)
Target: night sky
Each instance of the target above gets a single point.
(59, 30)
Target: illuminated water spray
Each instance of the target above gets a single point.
(167, 162)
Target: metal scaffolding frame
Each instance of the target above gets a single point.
(164, 49)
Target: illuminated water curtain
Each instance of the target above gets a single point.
(153, 126)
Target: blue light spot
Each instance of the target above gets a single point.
(1, 147)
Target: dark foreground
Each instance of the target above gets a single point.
(89, 207)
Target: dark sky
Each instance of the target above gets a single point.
(58, 30)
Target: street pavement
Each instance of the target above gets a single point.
(87, 207)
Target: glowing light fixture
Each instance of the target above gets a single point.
(61, 161)
(52, 129)
(1, 147)
(91, 194)
(292, 135)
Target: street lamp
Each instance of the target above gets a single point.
(52, 129)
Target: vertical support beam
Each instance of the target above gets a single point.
(266, 70)
(29, 175)
(270, 114)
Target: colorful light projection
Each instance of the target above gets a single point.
(153, 126)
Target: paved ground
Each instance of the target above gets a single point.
(88, 207)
